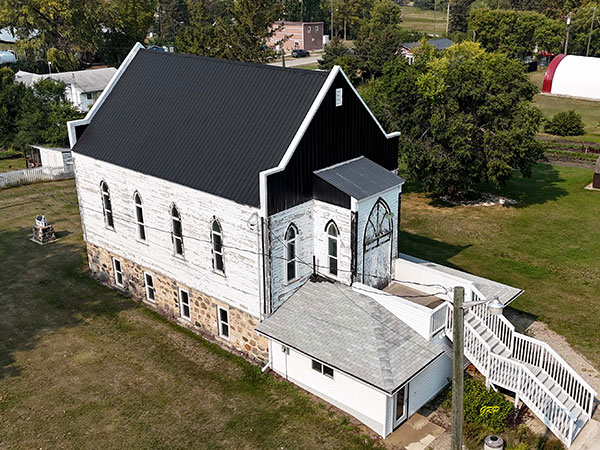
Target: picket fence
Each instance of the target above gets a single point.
(37, 174)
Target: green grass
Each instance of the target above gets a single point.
(550, 105)
(83, 367)
(308, 66)
(548, 245)
(415, 19)
(12, 164)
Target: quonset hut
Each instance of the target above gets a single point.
(573, 76)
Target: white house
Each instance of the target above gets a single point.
(39, 155)
(260, 207)
(83, 86)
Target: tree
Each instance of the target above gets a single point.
(517, 33)
(459, 14)
(348, 15)
(466, 116)
(11, 95)
(580, 30)
(333, 51)
(565, 123)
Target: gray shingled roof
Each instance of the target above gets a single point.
(92, 80)
(350, 332)
(359, 178)
(438, 44)
(488, 288)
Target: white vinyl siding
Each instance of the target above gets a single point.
(428, 383)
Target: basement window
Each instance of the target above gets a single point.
(322, 368)
(338, 97)
(150, 291)
(118, 272)
(184, 304)
(223, 316)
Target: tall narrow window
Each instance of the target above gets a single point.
(332, 248)
(290, 253)
(118, 272)
(150, 291)
(107, 206)
(184, 304)
(176, 231)
(223, 315)
(139, 217)
(217, 246)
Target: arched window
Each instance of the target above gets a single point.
(377, 246)
(107, 205)
(176, 231)
(217, 246)
(139, 217)
(290, 253)
(333, 237)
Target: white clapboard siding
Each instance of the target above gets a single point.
(35, 175)
(239, 286)
(357, 398)
(429, 382)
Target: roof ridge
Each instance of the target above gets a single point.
(321, 73)
(383, 354)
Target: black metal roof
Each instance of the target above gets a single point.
(359, 178)
(210, 124)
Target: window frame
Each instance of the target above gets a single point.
(140, 225)
(287, 242)
(339, 97)
(118, 273)
(308, 29)
(221, 323)
(316, 28)
(181, 305)
(322, 368)
(335, 238)
(108, 213)
(214, 252)
(150, 288)
(174, 237)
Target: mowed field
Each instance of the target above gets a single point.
(83, 367)
(12, 164)
(548, 245)
(415, 19)
(550, 105)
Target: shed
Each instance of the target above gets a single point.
(39, 155)
(573, 76)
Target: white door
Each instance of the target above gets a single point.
(377, 246)
(400, 405)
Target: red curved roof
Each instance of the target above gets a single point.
(547, 86)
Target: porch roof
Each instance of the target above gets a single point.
(351, 332)
(359, 178)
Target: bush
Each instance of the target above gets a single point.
(10, 154)
(565, 123)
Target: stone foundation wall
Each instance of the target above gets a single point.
(203, 309)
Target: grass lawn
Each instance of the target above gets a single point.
(415, 19)
(548, 245)
(550, 105)
(12, 164)
(308, 66)
(83, 367)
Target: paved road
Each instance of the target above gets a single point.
(293, 62)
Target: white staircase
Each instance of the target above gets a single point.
(530, 368)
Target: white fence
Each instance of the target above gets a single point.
(28, 176)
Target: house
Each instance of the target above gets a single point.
(297, 35)
(42, 156)
(83, 86)
(439, 44)
(260, 207)
(573, 76)
(8, 39)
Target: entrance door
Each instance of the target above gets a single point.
(377, 250)
(401, 406)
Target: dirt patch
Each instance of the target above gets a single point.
(484, 200)
(569, 162)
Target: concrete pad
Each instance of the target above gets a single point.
(589, 437)
(417, 433)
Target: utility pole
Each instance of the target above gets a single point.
(568, 28)
(447, 17)
(434, 11)
(591, 30)
(457, 369)
(331, 28)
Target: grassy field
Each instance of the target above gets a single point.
(83, 367)
(415, 19)
(308, 66)
(12, 164)
(548, 245)
(589, 110)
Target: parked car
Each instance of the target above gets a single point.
(299, 53)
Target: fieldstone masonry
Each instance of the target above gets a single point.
(203, 308)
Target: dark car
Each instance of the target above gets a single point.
(299, 53)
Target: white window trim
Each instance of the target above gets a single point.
(139, 224)
(173, 237)
(213, 252)
(285, 255)
(120, 272)
(106, 212)
(337, 246)
(322, 371)
(339, 99)
(148, 274)
(189, 318)
(220, 322)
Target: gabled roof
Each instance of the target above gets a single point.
(359, 178)
(91, 80)
(350, 332)
(438, 44)
(209, 124)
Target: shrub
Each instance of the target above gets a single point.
(565, 123)
(10, 154)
